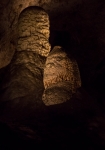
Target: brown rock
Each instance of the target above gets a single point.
(34, 31)
(23, 85)
(61, 77)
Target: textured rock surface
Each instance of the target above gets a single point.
(23, 84)
(9, 13)
(82, 20)
(34, 31)
(61, 77)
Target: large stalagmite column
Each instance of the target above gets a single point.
(23, 85)
(61, 77)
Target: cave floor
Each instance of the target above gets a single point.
(78, 123)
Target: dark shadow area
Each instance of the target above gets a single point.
(73, 124)
(61, 38)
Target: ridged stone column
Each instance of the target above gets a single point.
(23, 85)
(61, 77)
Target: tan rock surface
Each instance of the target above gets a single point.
(22, 86)
(9, 13)
(61, 77)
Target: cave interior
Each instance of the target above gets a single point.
(79, 27)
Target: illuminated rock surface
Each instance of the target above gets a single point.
(33, 33)
(23, 84)
(82, 20)
(61, 77)
(78, 26)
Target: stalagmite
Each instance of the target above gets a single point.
(23, 85)
(61, 77)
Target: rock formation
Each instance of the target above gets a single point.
(61, 77)
(23, 85)
(82, 20)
